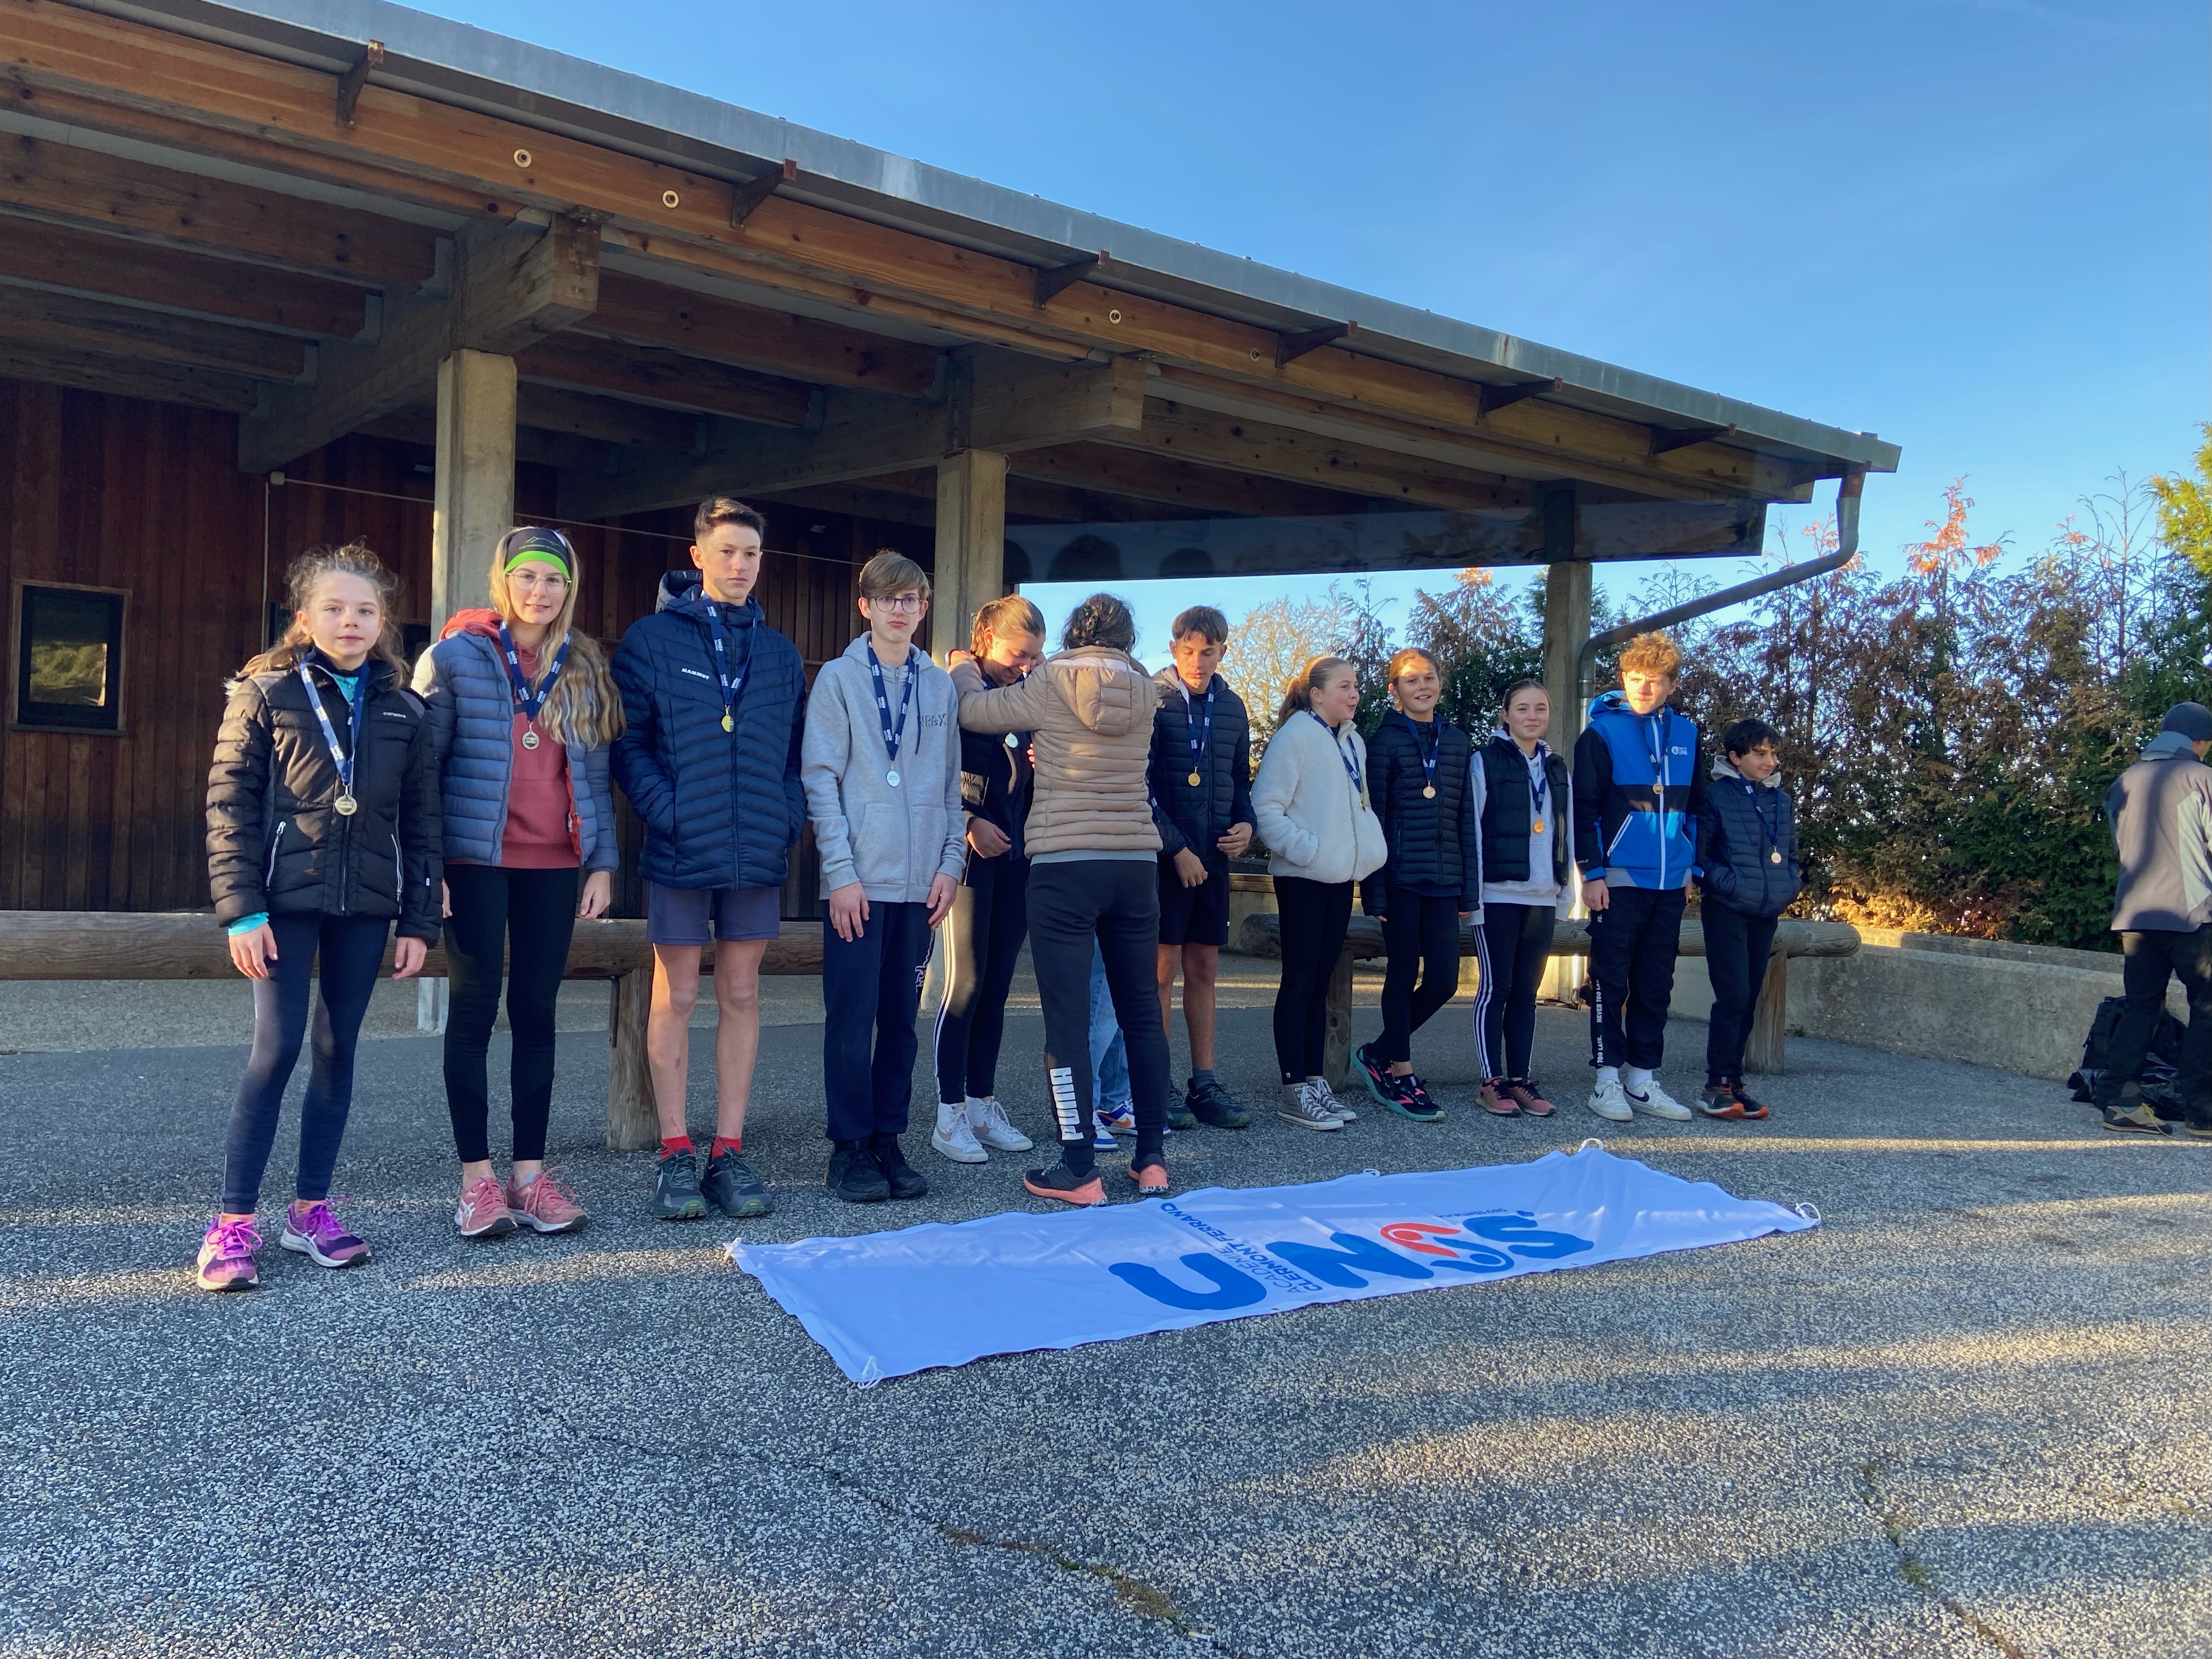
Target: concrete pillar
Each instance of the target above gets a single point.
(971, 544)
(1567, 625)
(473, 495)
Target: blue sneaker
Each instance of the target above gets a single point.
(1105, 1125)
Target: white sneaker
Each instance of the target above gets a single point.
(1656, 1102)
(1303, 1106)
(1331, 1101)
(954, 1138)
(987, 1121)
(1609, 1101)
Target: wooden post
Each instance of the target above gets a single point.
(632, 1122)
(1567, 625)
(971, 544)
(1770, 1019)
(1336, 1054)
(473, 492)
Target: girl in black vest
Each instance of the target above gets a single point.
(1418, 768)
(1520, 794)
(323, 829)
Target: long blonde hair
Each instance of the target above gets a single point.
(584, 706)
(354, 558)
(1298, 689)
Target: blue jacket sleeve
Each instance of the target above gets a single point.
(1717, 873)
(1240, 781)
(636, 760)
(794, 786)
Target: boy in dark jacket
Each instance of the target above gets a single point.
(1748, 869)
(1201, 784)
(709, 757)
(1638, 790)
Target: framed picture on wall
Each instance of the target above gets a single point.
(68, 658)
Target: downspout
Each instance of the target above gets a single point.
(1848, 490)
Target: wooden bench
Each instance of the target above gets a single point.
(43, 944)
(1261, 936)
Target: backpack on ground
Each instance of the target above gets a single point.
(2160, 1077)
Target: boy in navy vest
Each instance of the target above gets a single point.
(1638, 790)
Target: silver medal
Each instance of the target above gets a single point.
(347, 807)
(530, 739)
(892, 778)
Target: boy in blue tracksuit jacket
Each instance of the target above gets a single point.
(1639, 787)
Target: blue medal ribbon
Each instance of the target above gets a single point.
(892, 734)
(1427, 739)
(1199, 732)
(733, 684)
(343, 759)
(524, 699)
(1350, 767)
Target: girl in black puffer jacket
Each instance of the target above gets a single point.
(322, 831)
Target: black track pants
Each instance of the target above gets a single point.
(1419, 933)
(1116, 903)
(871, 990)
(2147, 959)
(536, 909)
(1736, 949)
(1634, 944)
(982, 938)
(1313, 916)
(1512, 944)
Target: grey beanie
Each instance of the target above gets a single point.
(2192, 719)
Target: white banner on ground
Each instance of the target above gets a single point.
(885, 1304)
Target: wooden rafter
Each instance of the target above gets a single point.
(1106, 469)
(642, 312)
(94, 263)
(665, 378)
(129, 377)
(40, 319)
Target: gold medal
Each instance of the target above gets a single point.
(728, 725)
(347, 807)
(1537, 828)
(1428, 791)
(529, 738)
(1193, 780)
(1775, 857)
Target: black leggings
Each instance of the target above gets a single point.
(1512, 944)
(537, 910)
(352, 950)
(1313, 916)
(1116, 903)
(1419, 933)
(982, 939)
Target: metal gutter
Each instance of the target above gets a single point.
(456, 63)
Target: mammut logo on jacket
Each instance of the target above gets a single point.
(695, 674)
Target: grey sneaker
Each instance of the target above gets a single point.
(1303, 1106)
(1333, 1101)
(676, 1194)
(2138, 1117)
(732, 1187)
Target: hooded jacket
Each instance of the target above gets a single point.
(1198, 815)
(462, 680)
(2160, 810)
(1638, 790)
(1742, 826)
(1089, 713)
(893, 839)
(722, 809)
(1433, 839)
(1316, 824)
(275, 840)
(994, 787)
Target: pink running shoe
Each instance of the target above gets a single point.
(313, 1231)
(545, 1205)
(226, 1256)
(481, 1212)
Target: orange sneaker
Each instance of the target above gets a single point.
(482, 1212)
(544, 1205)
(1497, 1101)
(1151, 1180)
(1063, 1184)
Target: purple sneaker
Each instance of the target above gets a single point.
(226, 1256)
(314, 1232)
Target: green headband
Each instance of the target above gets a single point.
(522, 547)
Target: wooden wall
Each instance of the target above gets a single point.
(114, 492)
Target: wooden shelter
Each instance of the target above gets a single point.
(287, 271)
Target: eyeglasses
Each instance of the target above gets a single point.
(898, 602)
(537, 579)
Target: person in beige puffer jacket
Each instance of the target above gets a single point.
(1093, 876)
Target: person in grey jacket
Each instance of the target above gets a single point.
(2161, 811)
(522, 712)
(880, 763)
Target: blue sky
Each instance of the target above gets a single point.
(1980, 227)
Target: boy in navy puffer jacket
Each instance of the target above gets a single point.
(1748, 869)
(1638, 789)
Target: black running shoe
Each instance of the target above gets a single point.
(901, 1178)
(732, 1187)
(1180, 1116)
(1380, 1082)
(856, 1177)
(1209, 1104)
(676, 1194)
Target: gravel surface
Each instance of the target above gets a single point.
(1964, 1417)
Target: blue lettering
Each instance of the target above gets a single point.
(1520, 1235)
(1335, 1267)
(1234, 1288)
(1480, 1258)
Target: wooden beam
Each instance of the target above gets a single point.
(533, 447)
(610, 420)
(641, 313)
(1288, 348)
(473, 477)
(90, 186)
(969, 567)
(654, 376)
(90, 262)
(512, 287)
(129, 377)
(351, 82)
(1001, 404)
(1146, 476)
(1276, 451)
(44, 320)
(251, 102)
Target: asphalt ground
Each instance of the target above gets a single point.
(1966, 1416)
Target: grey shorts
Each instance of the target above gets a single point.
(679, 915)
